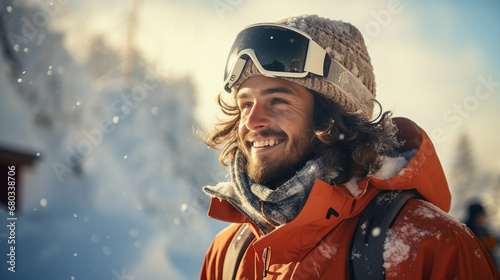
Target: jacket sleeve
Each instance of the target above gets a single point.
(214, 258)
(427, 243)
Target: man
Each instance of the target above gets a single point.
(306, 157)
(477, 221)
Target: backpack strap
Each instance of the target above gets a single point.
(235, 251)
(367, 245)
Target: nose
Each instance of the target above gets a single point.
(258, 118)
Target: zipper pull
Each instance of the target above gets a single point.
(264, 257)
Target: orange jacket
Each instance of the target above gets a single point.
(424, 242)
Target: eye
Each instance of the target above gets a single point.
(279, 101)
(246, 105)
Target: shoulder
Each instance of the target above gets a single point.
(429, 220)
(420, 223)
(427, 243)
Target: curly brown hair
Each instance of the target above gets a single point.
(347, 141)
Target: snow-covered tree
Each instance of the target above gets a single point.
(464, 177)
(118, 185)
(469, 182)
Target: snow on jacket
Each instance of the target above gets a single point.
(424, 242)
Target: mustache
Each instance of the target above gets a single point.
(265, 133)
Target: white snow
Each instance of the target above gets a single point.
(429, 207)
(390, 167)
(387, 197)
(355, 70)
(402, 240)
(118, 182)
(316, 267)
(327, 251)
(225, 189)
(353, 187)
(355, 254)
(425, 212)
(478, 253)
(399, 242)
(397, 246)
(363, 227)
(396, 249)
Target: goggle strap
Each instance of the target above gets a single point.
(315, 59)
(235, 74)
(345, 80)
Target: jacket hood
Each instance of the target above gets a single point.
(421, 171)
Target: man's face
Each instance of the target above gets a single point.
(275, 129)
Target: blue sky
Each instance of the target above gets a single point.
(471, 23)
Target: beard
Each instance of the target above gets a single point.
(273, 172)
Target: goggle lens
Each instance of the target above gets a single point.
(277, 49)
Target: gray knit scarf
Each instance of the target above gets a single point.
(280, 205)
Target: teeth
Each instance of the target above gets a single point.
(266, 143)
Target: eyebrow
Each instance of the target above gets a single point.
(267, 91)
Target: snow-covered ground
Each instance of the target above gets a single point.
(116, 190)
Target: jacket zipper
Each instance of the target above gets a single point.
(264, 257)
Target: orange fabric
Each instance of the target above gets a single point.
(424, 243)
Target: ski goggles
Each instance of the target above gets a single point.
(282, 51)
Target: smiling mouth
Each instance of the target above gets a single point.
(266, 143)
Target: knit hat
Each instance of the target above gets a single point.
(344, 43)
(475, 209)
